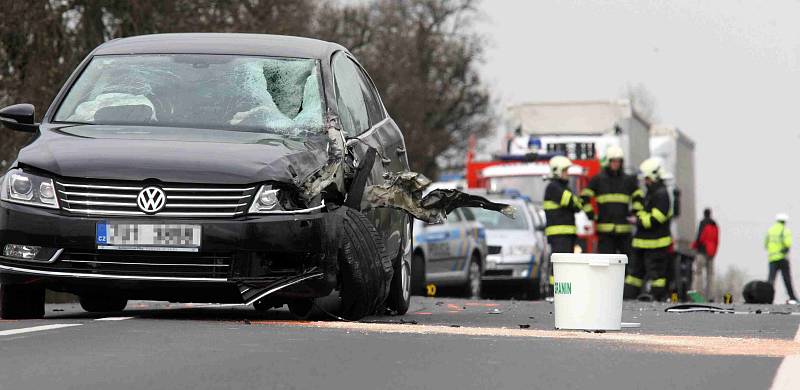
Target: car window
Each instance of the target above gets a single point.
(374, 109)
(493, 220)
(228, 92)
(468, 215)
(349, 96)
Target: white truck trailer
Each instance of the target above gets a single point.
(582, 130)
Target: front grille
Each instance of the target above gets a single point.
(183, 200)
(495, 250)
(135, 264)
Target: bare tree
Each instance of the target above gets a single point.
(422, 54)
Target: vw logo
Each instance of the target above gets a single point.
(151, 200)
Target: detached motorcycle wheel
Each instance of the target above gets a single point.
(365, 268)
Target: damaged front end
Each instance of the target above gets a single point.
(325, 185)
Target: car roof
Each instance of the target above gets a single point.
(221, 43)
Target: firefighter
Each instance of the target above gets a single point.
(778, 242)
(653, 238)
(616, 193)
(560, 206)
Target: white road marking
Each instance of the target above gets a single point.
(113, 318)
(788, 375)
(11, 332)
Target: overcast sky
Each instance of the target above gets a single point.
(725, 72)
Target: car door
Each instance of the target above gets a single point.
(542, 249)
(366, 124)
(443, 243)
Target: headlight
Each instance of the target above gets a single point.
(266, 200)
(519, 250)
(26, 188)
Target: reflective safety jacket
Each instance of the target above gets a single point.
(653, 221)
(616, 193)
(560, 206)
(778, 241)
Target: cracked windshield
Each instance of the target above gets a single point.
(241, 93)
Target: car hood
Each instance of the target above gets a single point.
(509, 237)
(175, 154)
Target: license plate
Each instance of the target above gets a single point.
(148, 237)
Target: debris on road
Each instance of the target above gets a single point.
(692, 308)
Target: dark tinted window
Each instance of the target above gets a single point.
(349, 96)
(374, 109)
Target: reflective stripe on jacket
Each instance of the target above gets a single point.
(653, 221)
(778, 241)
(560, 206)
(616, 193)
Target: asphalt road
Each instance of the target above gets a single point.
(442, 343)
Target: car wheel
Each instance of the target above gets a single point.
(21, 301)
(472, 288)
(418, 278)
(365, 269)
(400, 293)
(102, 304)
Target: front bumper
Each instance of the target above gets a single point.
(500, 268)
(238, 256)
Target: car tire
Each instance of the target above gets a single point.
(418, 278)
(20, 301)
(365, 269)
(473, 286)
(400, 293)
(102, 304)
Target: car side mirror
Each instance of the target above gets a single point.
(19, 117)
(539, 228)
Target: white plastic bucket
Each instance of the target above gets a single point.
(588, 290)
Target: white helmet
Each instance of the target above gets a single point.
(782, 217)
(651, 169)
(614, 152)
(559, 164)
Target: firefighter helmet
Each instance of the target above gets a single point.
(651, 169)
(614, 152)
(782, 217)
(559, 164)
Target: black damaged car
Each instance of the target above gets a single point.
(226, 168)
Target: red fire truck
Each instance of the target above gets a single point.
(528, 175)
